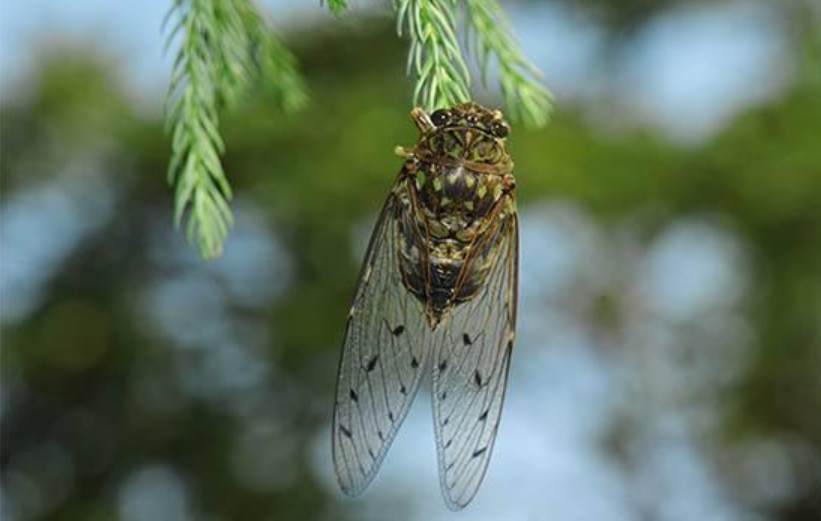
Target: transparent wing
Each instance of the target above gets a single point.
(471, 361)
(384, 355)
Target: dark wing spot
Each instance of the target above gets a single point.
(479, 452)
(443, 365)
(477, 378)
(449, 443)
(467, 340)
(403, 389)
(398, 330)
(373, 456)
(381, 435)
(414, 362)
(390, 416)
(483, 416)
(443, 396)
(354, 396)
(346, 431)
(445, 421)
(371, 363)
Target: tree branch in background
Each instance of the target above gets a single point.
(276, 65)
(224, 46)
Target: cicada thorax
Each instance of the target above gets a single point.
(448, 249)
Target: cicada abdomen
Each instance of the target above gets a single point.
(438, 293)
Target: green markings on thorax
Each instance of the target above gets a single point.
(454, 189)
(497, 190)
(421, 179)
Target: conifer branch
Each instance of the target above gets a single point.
(490, 38)
(435, 58)
(437, 63)
(224, 45)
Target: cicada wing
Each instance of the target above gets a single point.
(470, 368)
(383, 357)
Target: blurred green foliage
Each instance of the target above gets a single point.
(73, 367)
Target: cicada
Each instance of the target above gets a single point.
(437, 293)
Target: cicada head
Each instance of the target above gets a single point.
(467, 132)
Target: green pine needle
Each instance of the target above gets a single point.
(437, 62)
(435, 59)
(275, 63)
(335, 6)
(224, 47)
(490, 37)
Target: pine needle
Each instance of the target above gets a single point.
(224, 47)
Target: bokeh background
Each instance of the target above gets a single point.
(669, 357)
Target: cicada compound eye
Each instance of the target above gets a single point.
(440, 117)
(500, 129)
